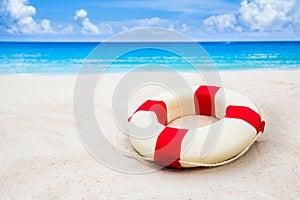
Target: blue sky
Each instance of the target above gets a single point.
(199, 19)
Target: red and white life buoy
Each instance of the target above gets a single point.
(239, 125)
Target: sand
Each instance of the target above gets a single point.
(41, 155)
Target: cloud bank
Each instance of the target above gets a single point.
(258, 16)
(251, 18)
(87, 27)
(18, 17)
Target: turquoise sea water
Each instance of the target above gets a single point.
(68, 58)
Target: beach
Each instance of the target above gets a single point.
(42, 155)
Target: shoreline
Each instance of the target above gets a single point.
(183, 72)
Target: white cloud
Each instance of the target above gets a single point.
(143, 23)
(80, 14)
(66, 30)
(87, 27)
(184, 28)
(111, 27)
(18, 17)
(18, 9)
(106, 28)
(26, 25)
(161, 23)
(154, 21)
(259, 16)
(46, 26)
(221, 22)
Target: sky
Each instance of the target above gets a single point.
(201, 20)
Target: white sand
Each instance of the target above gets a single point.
(41, 155)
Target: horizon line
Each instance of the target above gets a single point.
(170, 41)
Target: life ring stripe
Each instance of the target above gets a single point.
(204, 100)
(246, 114)
(158, 107)
(168, 147)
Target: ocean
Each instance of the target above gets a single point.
(69, 57)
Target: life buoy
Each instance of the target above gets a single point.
(239, 125)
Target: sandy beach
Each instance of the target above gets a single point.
(41, 155)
